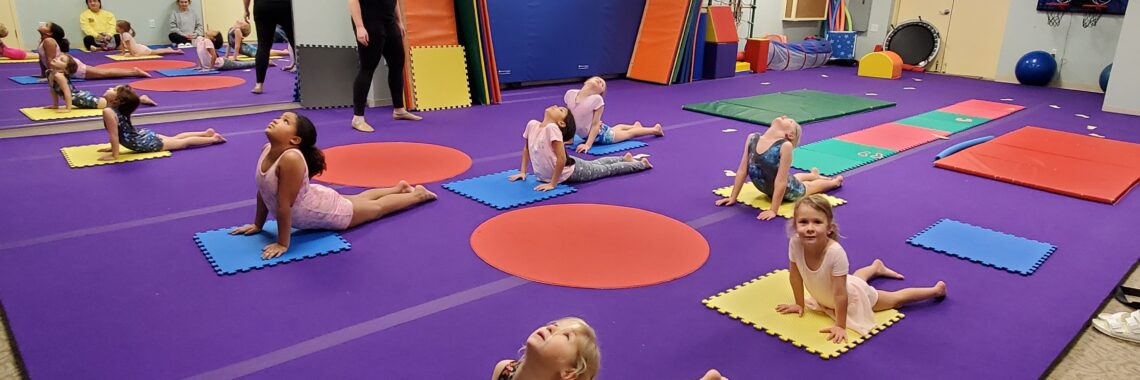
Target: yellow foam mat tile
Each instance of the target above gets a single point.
(754, 303)
(40, 113)
(29, 60)
(120, 57)
(88, 155)
(439, 77)
(752, 196)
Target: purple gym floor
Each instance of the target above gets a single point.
(279, 86)
(100, 276)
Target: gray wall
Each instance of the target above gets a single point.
(877, 28)
(66, 14)
(1081, 53)
(1123, 94)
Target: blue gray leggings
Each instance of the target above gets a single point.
(585, 171)
(229, 64)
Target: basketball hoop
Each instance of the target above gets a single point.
(1093, 12)
(1056, 11)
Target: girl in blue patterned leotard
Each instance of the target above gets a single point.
(121, 101)
(766, 161)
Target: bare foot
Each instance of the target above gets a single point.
(815, 172)
(712, 374)
(941, 287)
(881, 270)
(405, 116)
(271, 63)
(838, 180)
(210, 132)
(141, 73)
(647, 164)
(218, 138)
(404, 187)
(147, 100)
(361, 125)
(637, 124)
(179, 51)
(256, 89)
(657, 130)
(423, 193)
(628, 157)
(288, 68)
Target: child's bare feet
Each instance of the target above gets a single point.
(256, 89)
(628, 157)
(658, 130)
(712, 374)
(815, 172)
(210, 132)
(647, 164)
(147, 100)
(941, 288)
(422, 193)
(218, 138)
(838, 180)
(405, 115)
(881, 270)
(637, 124)
(141, 73)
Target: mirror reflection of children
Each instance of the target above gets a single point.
(131, 48)
(11, 52)
(63, 67)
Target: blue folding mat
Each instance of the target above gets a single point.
(28, 79)
(604, 149)
(186, 72)
(230, 254)
(496, 191)
(984, 246)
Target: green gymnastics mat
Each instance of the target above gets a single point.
(833, 156)
(943, 121)
(804, 106)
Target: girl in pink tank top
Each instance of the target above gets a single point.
(287, 163)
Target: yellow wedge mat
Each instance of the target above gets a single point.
(751, 196)
(29, 60)
(439, 77)
(119, 57)
(754, 303)
(40, 113)
(88, 155)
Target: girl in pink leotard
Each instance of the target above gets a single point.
(283, 171)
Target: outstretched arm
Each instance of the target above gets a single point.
(595, 128)
(291, 176)
(738, 181)
(358, 22)
(111, 123)
(838, 333)
(559, 164)
(780, 185)
(525, 163)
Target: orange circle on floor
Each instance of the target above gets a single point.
(148, 65)
(188, 83)
(384, 164)
(590, 246)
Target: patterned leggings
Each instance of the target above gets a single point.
(84, 99)
(585, 171)
(230, 64)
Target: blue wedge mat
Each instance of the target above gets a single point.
(186, 72)
(602, 150)
(230, 254)
(984, 246)
(496, 191)
(28, 79)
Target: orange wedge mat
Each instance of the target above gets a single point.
(657, 38)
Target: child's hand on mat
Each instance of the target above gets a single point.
(790, 309)
(544, 187)
(835, 334)
(51, 107)
(517, 177)
(62, 110)
(108, 157)
(104, 150)
(582, 148)
(248, 229)
(766, 215)
(725, 202)
(273, 250)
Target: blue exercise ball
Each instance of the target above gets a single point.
(1036, 68)
(1104, 74)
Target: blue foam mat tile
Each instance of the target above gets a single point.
(496, 191)
(606, 149)
(186, 72)
(231, 254)
(984, 246)
(28, 79)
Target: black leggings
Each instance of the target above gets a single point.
(89, 41)
(268, 15)
(388, 44)
(178, 38)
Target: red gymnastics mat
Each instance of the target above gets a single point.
(536, 244)
(190, 83)
(1065, 163)
(152, 65)
(385, 164)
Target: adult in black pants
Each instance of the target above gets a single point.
(378, 35)
(268, 14)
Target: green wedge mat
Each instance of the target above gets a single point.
(804, 106)
(834, 156)
(943, 121)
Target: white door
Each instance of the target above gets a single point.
(935, 12)
(973, 44)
